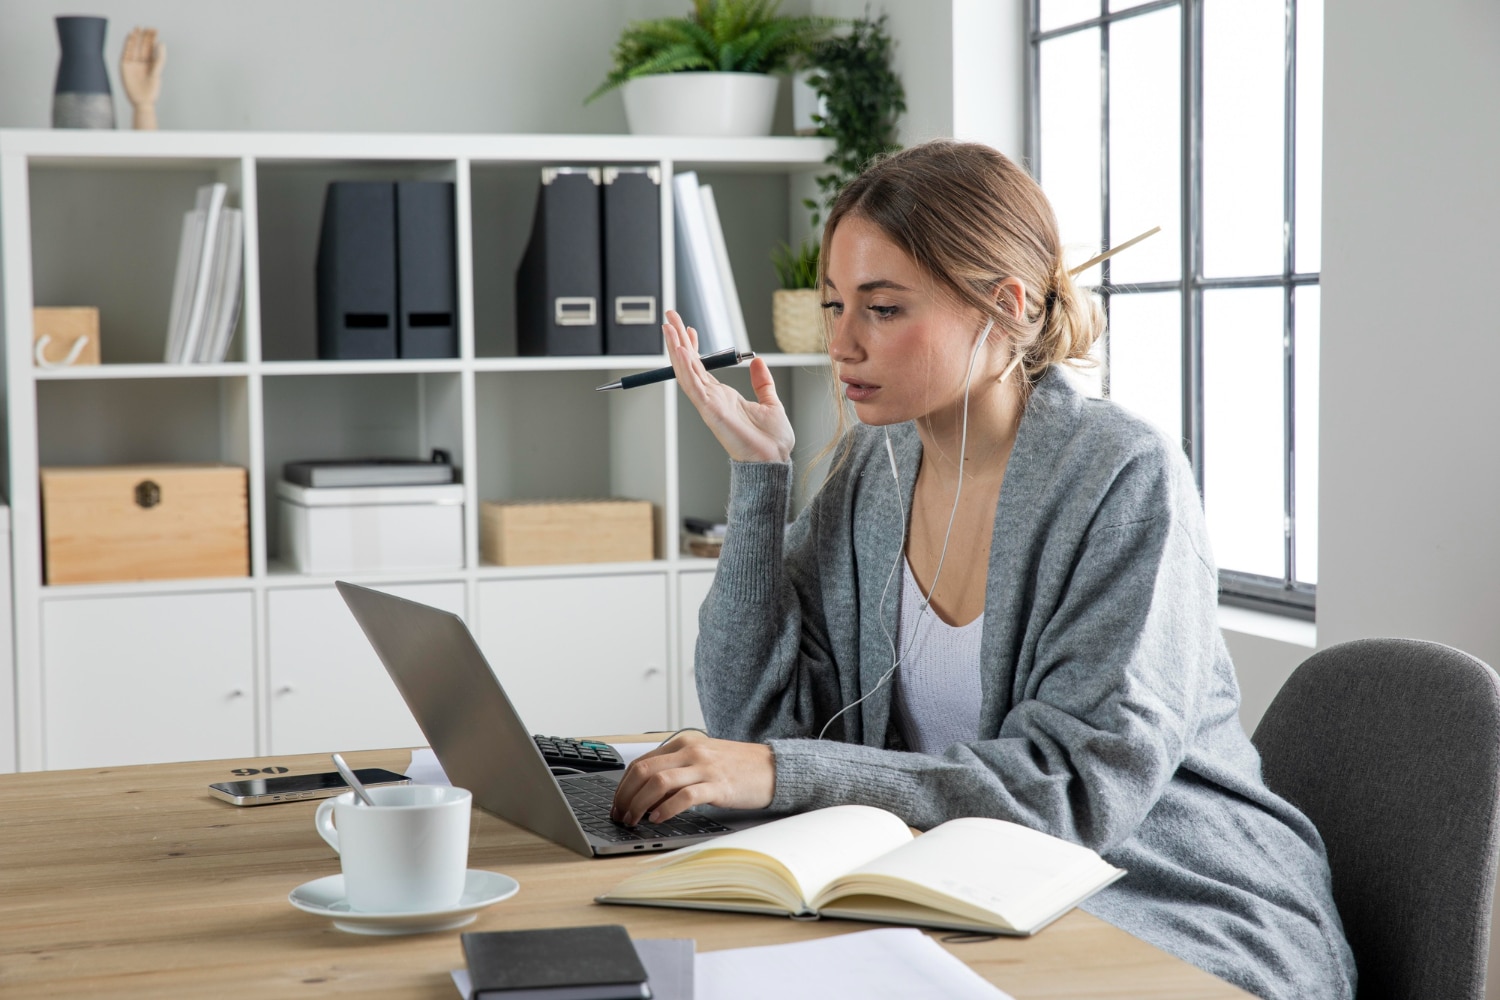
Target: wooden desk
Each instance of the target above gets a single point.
(136, 882)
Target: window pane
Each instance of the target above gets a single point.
(1145, 143)
(1244, 87)
(1243, 471)
(1060, 13)
(1309, 250)
(1125, 4)
(1070, 117)
(1305, 400)
(1145, 357)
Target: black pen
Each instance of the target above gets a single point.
(727, 358)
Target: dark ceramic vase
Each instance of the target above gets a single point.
(82, 98)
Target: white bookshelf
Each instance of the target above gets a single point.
(135, 672)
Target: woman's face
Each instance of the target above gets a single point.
(900, 347)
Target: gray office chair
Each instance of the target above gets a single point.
(1392, 748)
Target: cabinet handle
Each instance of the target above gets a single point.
(652, 671)
(237, 693)
(284, 689)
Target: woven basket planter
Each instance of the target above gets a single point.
(797, 320)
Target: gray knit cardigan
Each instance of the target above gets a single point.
(1110, 708)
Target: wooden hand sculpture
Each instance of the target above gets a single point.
(140, 72)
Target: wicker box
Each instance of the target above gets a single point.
(144, 522)
(549, 532)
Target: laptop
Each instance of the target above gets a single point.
(485, 747)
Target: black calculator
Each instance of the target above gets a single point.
(581, 755)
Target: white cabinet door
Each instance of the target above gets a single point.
(580, 656)
(329, 691)
(145, 679)
(7, 656)
(692, 588)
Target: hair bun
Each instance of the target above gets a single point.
(1072, 321)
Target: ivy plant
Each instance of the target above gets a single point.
(862, 99)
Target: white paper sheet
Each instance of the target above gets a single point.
(424, 769)
(895, 964)
(630, 751)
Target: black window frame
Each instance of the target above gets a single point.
(1286, 595)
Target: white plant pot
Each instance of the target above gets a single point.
(806, 102)
(716, 104)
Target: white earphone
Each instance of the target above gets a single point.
(890, 451)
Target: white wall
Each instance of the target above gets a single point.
(345, 65)
(921, 31)
(989, 74)
(962, 63)
(1265, 649)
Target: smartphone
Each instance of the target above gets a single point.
(292, 787)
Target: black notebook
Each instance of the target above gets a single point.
(561, 963)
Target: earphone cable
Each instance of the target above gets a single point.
(963, 440)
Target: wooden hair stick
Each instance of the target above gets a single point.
(1106, 255)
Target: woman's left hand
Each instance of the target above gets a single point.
(693, 770)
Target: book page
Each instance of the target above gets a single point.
(188, 248)
(726, 272)
(976, 867)
(810, 849)
(695, 254)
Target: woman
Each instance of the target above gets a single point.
(922, 640)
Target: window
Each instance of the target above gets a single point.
(1203, 117)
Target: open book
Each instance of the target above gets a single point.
(863, 863)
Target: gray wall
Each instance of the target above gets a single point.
(1411, 341)
(1409, 518)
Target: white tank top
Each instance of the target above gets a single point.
(937, 684)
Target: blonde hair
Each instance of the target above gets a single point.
(969, 218)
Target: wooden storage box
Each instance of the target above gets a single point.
(549, 532)
(144, 522)
(56, 334)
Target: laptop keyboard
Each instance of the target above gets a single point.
(591, 796)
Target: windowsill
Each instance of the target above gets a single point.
(1266, 625)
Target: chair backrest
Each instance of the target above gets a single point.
(1392, 748)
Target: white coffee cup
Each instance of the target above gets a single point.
(407, 853)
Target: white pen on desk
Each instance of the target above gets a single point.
(727, 358)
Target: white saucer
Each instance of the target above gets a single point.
(324, 897)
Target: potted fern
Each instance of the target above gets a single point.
(709, 72)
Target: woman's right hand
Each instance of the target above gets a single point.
(750, 430)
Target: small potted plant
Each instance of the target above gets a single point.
(860, 99)
(796, 307)
(709, 72)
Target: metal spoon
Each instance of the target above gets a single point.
(360, 795)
